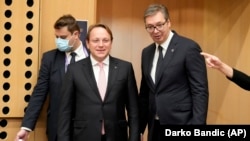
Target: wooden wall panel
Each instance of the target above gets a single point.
(226, 34)
(19, 51)
(19, 45)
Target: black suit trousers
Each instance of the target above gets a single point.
(158, 132)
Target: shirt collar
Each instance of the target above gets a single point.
(78, 50)
(94, 62)
(165, 44)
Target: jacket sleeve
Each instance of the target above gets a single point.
(241, 79)
(132, 107)
(38, 95)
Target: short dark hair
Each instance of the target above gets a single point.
(69, 21)
(154, 8)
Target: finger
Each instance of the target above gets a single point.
(206, 55)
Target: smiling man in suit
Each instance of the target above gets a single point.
(174, 86)
(95, 110)
(52, 70)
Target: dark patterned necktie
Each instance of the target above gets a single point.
(159, 63)
(72, 60)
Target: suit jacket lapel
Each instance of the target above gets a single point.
(60, 60)
(90, 77)
(149, 58)
(113, 71)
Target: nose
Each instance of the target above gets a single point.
(155, 30)
(100, 43)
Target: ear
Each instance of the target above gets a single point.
(87, 43)
(76, 33)
(169, 23)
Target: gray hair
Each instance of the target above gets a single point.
(154, 8)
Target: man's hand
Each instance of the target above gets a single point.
(22, 135)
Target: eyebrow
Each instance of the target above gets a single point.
(63, 36)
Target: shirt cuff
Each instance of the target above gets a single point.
(27, 129)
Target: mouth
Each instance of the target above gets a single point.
(157, 37)
(101, 51)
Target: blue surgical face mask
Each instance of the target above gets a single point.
(63, 45)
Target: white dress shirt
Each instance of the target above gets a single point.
(96, 67)
(164, 50)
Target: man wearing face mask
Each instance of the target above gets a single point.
(52, 70)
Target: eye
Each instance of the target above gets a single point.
(95, 41)
(150, 27)
(106, 40)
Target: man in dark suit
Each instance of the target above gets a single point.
(174, 88)
(52, 70)
(86, 113)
